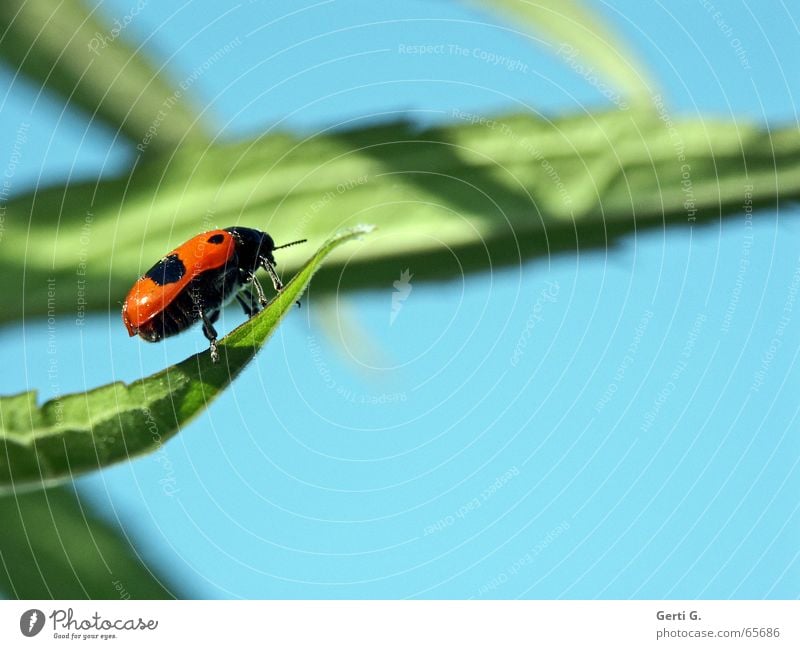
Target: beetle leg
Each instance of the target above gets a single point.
(276, 282)
(208, 326)
(249, 305)
(246, 306)
(262, 298)
(211, 334)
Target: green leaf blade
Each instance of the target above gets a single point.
(69, 49)
(54, 546)
(515, 186)
(576, 33)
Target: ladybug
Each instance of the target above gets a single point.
(194, 281)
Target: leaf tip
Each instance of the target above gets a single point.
(361, 229)
(354, 232)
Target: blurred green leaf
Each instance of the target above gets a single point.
(53, 546)
(80, 432)
(582, 39)
(66, 47)
(447, 200)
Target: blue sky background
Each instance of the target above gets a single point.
(455, 469)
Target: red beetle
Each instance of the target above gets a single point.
(194, 281)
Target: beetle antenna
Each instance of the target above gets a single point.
(293, 243)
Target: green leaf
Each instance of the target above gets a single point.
(52, 546)
(582, 39)
(81, 432)
(448, 200)
(66, 47)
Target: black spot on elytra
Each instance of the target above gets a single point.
(167, 271)
(217, 238)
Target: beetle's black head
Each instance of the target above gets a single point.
(255, 248)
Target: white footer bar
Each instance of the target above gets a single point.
(400, 624)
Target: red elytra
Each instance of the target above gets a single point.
(148, 298)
